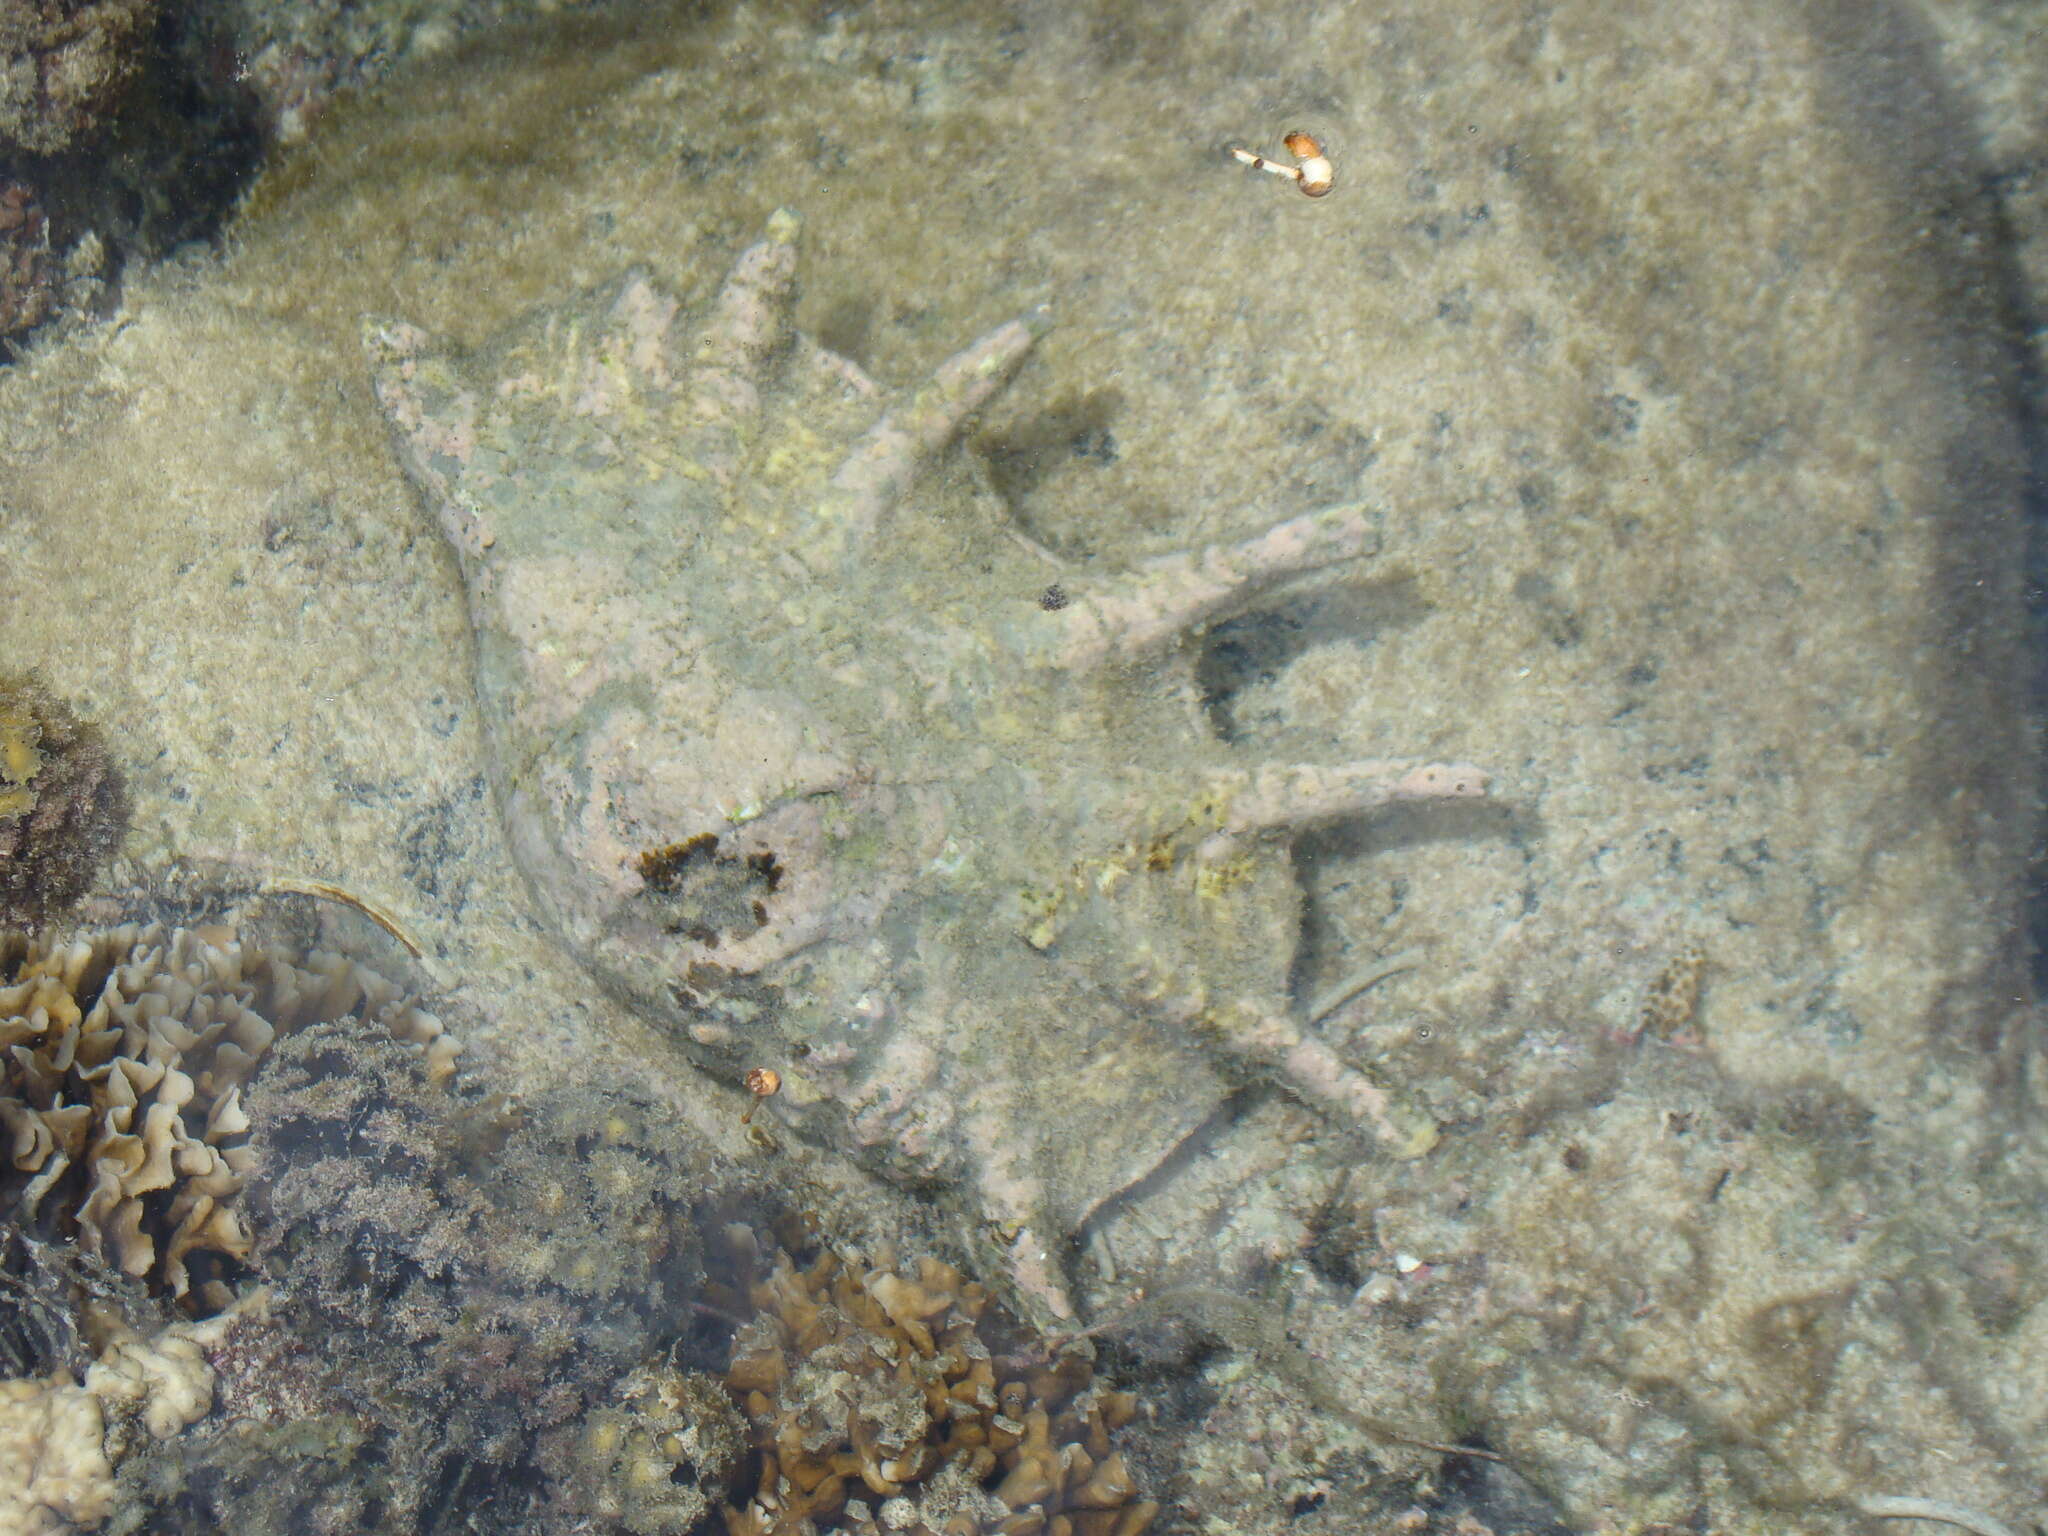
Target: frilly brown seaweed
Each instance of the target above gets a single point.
(878, 1405)
(122, 1060)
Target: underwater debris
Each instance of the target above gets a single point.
(763, 1083)
(63, 807)
(327, 890)
(125, 1056)
(1312, 171)
(879, 1404)
(1938, 1510)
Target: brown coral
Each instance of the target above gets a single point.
(62, 805)
(122, 1060)
(878, 1406)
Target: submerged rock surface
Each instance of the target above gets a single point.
(1678, 358)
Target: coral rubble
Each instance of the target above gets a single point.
(878, 1404)
(63, 807)
(120, 1091)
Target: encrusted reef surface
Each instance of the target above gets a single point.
(1674, 362)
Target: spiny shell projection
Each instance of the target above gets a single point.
(793, 752)
(123, 1056)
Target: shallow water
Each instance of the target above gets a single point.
(1684, 370)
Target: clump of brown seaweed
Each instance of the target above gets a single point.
(878, 1404)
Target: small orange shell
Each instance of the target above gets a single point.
(763, 1082)
(1316, 173)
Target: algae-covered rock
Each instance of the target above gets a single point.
(63, 806)
(475, 1270)
(64, 65)
(657, 1456)
(457, 1290)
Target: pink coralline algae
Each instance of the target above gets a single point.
(794, 754)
